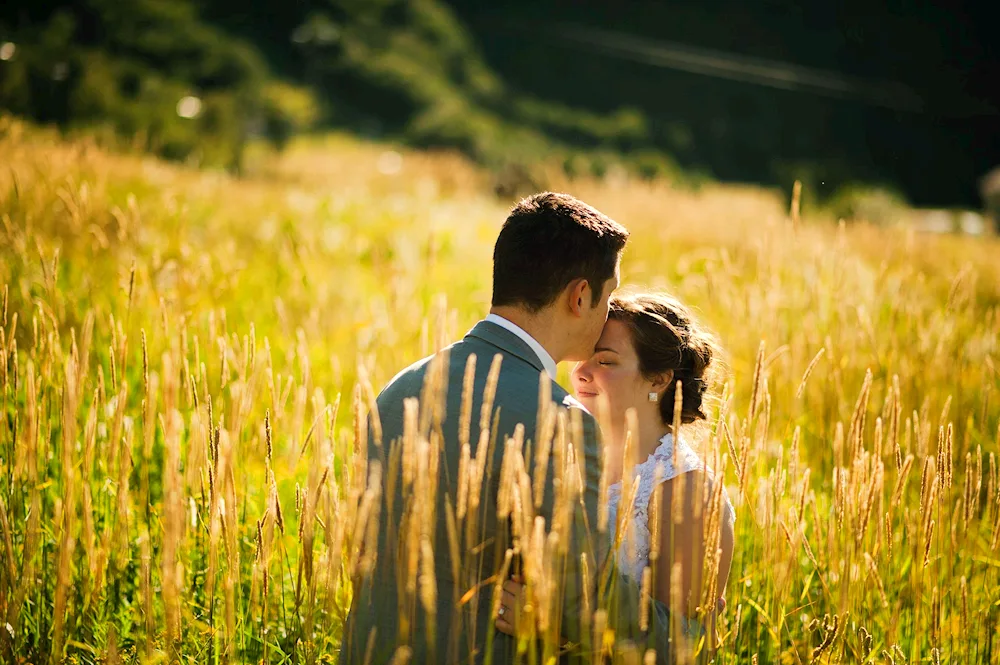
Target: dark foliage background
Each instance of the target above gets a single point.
(897, 94)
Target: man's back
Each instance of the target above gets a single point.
(390, 607)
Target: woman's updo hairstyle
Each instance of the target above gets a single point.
(666, 337)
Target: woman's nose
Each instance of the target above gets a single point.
(582, 373)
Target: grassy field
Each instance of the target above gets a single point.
(184, 357)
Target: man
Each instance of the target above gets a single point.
(555, 264)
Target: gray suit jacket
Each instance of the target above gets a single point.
(380, 619)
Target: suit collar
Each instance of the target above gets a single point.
(506, 341)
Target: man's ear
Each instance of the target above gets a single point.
(578, 294)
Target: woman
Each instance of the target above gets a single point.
(649, 346)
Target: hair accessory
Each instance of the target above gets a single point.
(654, 397)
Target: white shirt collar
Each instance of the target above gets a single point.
(547, 362)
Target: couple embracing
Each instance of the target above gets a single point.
(629, 547)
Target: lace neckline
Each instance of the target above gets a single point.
(672, 461)
(686, 460)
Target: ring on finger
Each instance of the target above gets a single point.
(501, 611)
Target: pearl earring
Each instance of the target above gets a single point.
(653, 397)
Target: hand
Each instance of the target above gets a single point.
(511, 600)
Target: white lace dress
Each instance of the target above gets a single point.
(634, 557)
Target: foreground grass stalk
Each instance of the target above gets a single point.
(179, 484)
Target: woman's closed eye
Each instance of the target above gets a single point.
(605, 356)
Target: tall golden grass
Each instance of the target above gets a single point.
(187, 362)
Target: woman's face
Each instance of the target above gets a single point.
(612, 373)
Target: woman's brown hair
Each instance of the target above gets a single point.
(667, 338)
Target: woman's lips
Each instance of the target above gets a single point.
(584, 393)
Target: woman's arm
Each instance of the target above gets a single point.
(679, 571)
(727, 544)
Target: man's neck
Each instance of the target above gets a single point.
(539, 326)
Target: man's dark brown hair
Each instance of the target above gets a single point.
(548, 241)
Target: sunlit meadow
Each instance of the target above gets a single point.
(187, 359)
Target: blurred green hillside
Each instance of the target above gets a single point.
(153, 72)
(196, 81)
